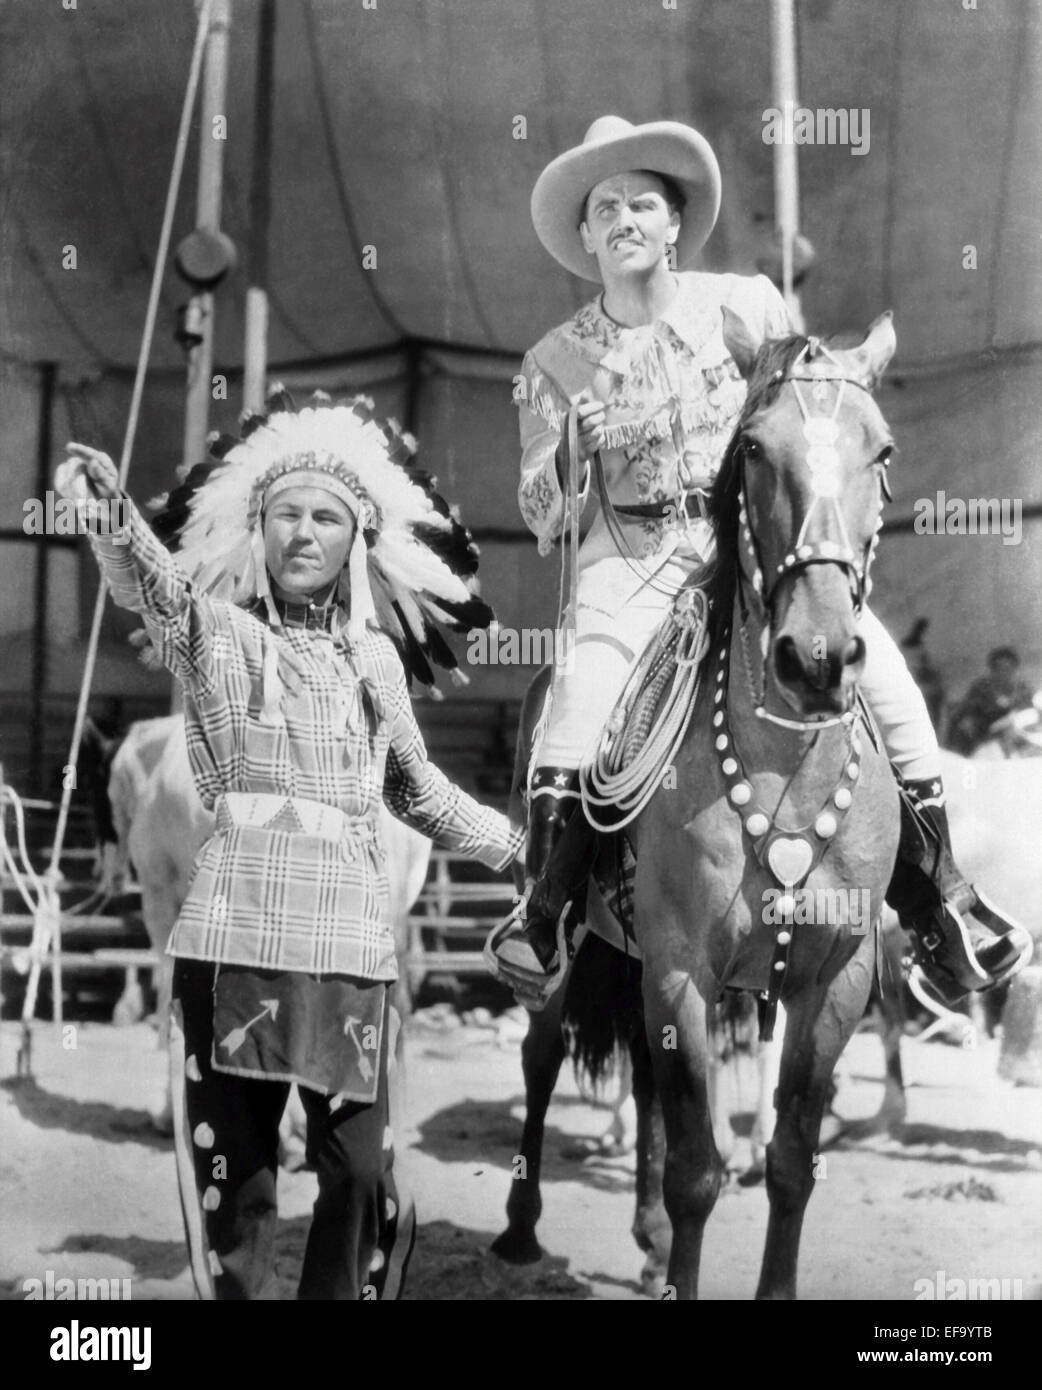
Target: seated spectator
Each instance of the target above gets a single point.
(989, 698)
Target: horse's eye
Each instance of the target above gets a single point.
(751, 449)
(883, 459)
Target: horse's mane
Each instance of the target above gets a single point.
(769, 370)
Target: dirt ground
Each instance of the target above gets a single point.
(87, 1190)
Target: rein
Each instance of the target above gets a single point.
(618, 535)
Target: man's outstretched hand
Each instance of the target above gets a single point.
(86, 474)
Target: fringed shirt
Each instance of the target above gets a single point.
(673, 397)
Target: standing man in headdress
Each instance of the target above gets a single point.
(308, 559)
(641, 376)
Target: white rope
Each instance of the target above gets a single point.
(8, 796)
(38, 895)
(605, 781)
(162, 254)
(95, 901)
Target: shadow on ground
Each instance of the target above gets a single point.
(151, 1259)
(986, 1149)
(148, 1260)
(485, 1133)
(451, 1263)
(109, 1123)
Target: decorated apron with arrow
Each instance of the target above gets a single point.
(320, 1031)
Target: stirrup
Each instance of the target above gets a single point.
(511, 959)
(1011, 947)
(956, 964)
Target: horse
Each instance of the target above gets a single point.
(595, 1019)
(780, 786)
(162, 825)
(131, 763)
(776, 733)
(603, 971)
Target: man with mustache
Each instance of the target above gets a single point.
(642, 376)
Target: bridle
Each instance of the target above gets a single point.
(758, 589)
(822, 461)
(790, 854)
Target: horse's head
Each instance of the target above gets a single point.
(808, 474)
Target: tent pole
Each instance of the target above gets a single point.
(413, 383)
(255, 351)
(209, 191)
(208, 216)
(786, 171)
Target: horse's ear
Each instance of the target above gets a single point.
(878, 346)
(739, 341)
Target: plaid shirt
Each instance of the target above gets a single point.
(273, 895)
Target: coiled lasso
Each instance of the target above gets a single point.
(669, 670)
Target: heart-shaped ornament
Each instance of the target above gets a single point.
(789, 859)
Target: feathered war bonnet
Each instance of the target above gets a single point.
(412, 564)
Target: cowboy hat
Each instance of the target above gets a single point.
(614, 146)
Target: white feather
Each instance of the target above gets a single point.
(215, 543)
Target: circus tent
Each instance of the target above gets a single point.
(406, 136)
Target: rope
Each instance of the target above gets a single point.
(8, 796)
(622, 545)
(53, 915)
(38, 895)
(609, 780)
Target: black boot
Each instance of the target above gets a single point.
(964, 943)
(528, 946)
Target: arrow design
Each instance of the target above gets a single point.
(365, 1067)
(237, 1036)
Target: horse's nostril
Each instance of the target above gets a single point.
(787, 664)
(853, 652)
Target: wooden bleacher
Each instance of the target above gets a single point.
(471, 739)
